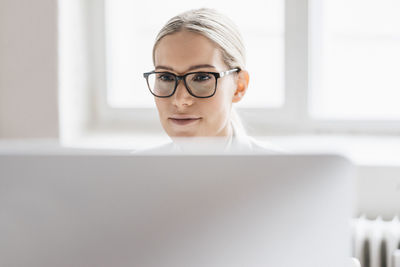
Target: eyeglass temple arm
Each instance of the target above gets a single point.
(222, 74)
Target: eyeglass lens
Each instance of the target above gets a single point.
(200, 84)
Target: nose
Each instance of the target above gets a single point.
(182, 97)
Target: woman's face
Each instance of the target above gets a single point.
(183, 115)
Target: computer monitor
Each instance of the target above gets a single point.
(175, 210)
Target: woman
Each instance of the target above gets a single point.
(199, 60)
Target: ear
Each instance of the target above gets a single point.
(241, 85)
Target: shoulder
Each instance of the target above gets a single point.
(241, 145)
(246, 143)
(265, 147)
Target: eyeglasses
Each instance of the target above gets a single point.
(198, 84)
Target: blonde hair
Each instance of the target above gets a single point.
(217, 28)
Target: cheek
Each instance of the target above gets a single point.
(162, 106)
(218, 107)
(225, 93)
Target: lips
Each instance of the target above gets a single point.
(183, 116)
(184, 119)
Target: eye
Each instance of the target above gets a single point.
(201, 77)
(165, 77)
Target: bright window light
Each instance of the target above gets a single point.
(355, 59)
(132, 28)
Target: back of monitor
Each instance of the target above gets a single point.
(253, 210)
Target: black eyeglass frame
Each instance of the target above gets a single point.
(183, 77)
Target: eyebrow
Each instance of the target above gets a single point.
(189, 69)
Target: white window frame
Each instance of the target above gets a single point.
(291, 118)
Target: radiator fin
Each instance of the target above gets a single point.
(376, 241)
(382, 255)
(365, 260)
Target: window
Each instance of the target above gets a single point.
(355, 54)
(316, 66)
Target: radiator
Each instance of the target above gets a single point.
(376, 243)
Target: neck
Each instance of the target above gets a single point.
(205, 143)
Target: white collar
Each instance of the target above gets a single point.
(238, 141)
(241, 141)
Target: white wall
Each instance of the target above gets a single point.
(28, 69)
(378, 191)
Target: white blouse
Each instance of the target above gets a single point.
(238, 142)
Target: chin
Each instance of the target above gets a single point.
(182, 131)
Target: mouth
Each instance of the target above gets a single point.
(184, 120)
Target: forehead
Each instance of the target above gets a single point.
(185, 49)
